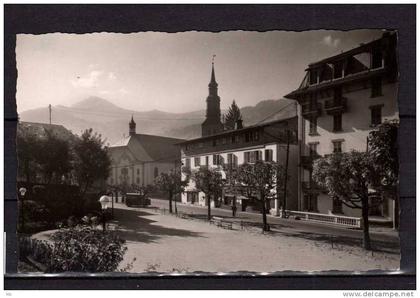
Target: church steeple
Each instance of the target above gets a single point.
(213, 84)
(212, 124)
(132, 126)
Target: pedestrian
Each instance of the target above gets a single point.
(234, 209)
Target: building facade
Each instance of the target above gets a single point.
(138, 159)
(342, 98)
(227, 149)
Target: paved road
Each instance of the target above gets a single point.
(384, 239)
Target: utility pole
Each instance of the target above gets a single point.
(285, 175)
(49, 109)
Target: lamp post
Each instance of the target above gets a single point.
(22, 192)
(105, 202)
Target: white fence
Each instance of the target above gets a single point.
(328, 218)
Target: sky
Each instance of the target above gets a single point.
(170, 71)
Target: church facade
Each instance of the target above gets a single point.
(136, 160)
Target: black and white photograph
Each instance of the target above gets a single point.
(227, 152)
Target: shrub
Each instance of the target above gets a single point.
(77, 249)
(85, 249)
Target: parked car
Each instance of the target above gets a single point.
(136, 200)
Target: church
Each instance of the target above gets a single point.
(225, 148)
(136, 160)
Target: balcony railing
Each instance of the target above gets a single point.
(348, 221)
(312, 110)
(336, 105)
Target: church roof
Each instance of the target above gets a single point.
(157, 147)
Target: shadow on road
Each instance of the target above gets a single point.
(379, 246)
(133, 226)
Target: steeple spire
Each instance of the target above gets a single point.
(212, 124)
(213, 84)
(132, 126)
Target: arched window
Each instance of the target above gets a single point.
(156, 172)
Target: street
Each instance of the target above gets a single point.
(165, 243)
(384, 239)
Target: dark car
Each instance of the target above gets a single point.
(136, 200)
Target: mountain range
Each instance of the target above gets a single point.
(111, 121)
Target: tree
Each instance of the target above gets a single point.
(91, 160)
(27, 148)
(383, 149)
(172, 184)
(259, 179)
(208, 181)
(54, 158)
(47, 155)
(233, 115)
(347, 177)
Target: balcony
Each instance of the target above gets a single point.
(306, 161)
(336, 106)
(313, 188)
(311, 110)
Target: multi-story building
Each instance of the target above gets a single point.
(227, 149)
(342, 98)
(139, 158)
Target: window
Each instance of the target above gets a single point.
(138, 171)
(156, 172)
(232, 160)
(256, 135)
(214, 142)
(234, 139)
(224, 141)
(258, 155)
(253, 156)
(313, 149)
(313, 126)
(337, 123)
(200, 145)
(217, 159)
(337, 146)
(313, 77)
(376, 87)
(337, 205)
(197, 161)
(207, 161)
(138, 180)
(188, 163)
(376, 115)
(247, 137)
(268, 155)
(247, 157)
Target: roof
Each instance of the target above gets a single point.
(40, 129)
(229, 132)
(362, 47)
(361, 75)
(157, 147)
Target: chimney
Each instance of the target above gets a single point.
(238, 124)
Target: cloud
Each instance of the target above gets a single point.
(330, 41)
(87, 81)
(112, 76)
